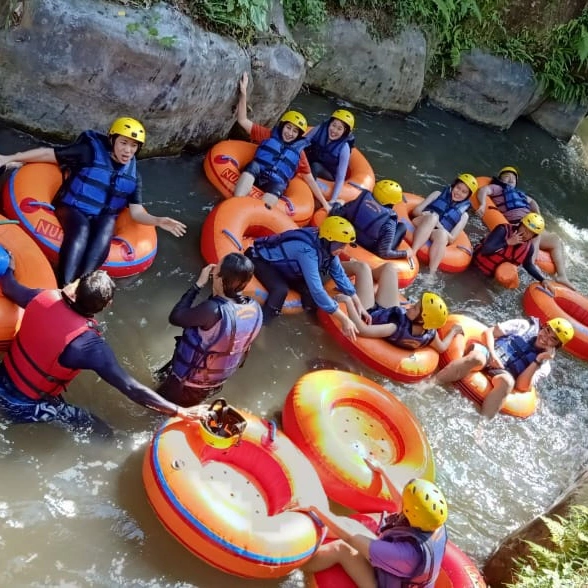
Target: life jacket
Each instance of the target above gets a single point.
(368, 217)
(449, 212)
(513, 203)
(327, 152)
(279, 250)
(32, 361)
(209, 358)
(515, 254)
(432, 547)
(279, 160)
(403, 336)
(516, 353)
(102, 188)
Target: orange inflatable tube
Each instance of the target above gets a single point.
(31, 269)
(230, 507)
(223, 165)
(566, 303)
(507, 273)
(476, 386)
(360, 176)
(457, 569)
(406, 269)
(27, 197)
(338, 418)
(232, 226)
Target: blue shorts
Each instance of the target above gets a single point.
(263, 182)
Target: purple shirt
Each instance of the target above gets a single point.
(401, 558)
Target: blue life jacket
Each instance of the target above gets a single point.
(327, 152)
(403, 336)
(512, 200)
(209, 358)
(368, 217)
(449, 212)
(432, 547)
(279, 160)
(279, 250)
(104, 187)
(516, 353)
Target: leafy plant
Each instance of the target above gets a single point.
(309, 12)
(564, 566)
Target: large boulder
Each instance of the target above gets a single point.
(487, 89)
(558, 119)
(70, 65)
(385, 74)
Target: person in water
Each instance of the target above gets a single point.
(376, 223)
(407, 550)
(218, 332)
(514, 354)
(330, 149)
(278, 158)
(514, 204)
(296, 259)
(514, 244)
(102, 180)
(411, 326)
(441, 217)
(59, 337)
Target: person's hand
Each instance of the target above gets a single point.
(565, 282)
(457, 329)
(546, 355)
(548, 285)
(294, 505)
(373, 465)
(7, 163)
(481, 211)
(243, 83)
(515, 239)
(366, 317)
(349, 329)
(328, 206)
(176, 228)
(494, 362)
(205, 274)
(193, 413)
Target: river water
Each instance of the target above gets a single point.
(73, 510)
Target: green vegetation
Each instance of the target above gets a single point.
(551, 39)
(566, 565)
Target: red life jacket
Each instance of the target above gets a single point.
(32, 361)
(514, 253)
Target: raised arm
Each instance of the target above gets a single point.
(421, 207)
(242, 117)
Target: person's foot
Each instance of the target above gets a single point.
(270, 200)
(566, 282)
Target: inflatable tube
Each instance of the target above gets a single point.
(407, 270)
(360, 176)
(27, 197)
(493, 217)
(401, 365)
(230, 507)
(458, 254)
(223, 165)
(31, 269)
(457, 569)
(566, 303)
(232, 225)
(476, 386)
(337, 418)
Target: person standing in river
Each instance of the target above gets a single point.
(102, 179)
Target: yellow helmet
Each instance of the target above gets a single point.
(337, 228)
(534, 222)
(128, 127)
(297, 119)
(387, 192)
(433, 311)
(509, 168)
(345, 117)
(424, 505)
(562, 328)
(469, 181)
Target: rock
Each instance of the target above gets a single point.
(487, 89)
(386, 74)
(77, 64)
(498, 569)
(558, 119)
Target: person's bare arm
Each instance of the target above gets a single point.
(421, 207)
(38, 155)
(242, 117)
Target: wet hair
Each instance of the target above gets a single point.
(94, 292)
(235, 271)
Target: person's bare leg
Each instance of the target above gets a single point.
(386, 277)
(270, 200)
(355, 565)
(244, 184)
(439, 241)
(502, 386)
(364, 280)
(458, 369)
(552, 243)
(424, 225)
